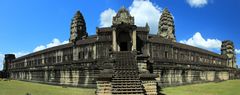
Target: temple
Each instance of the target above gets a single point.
(124, 59)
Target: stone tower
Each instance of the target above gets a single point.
(6, 64)
(227, 49)
(8, 60)
(78, 28)
(166, 28)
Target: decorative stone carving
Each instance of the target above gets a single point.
(123, 17)
(166, 26)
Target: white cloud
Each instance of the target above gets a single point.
(237, 51)
(18, 54)
(197, 3)
(198, 41)
(143, 11)
(1, 61)
(55, 42)
(106, 17)
(38, 48)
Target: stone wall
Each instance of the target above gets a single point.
(64, 76)
(181, 77)
(80, 65)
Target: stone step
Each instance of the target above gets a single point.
(128, 92)
(126, 75)
(140, 90)
(130, 78)
(126, 81)
(127, 72)
(127, 86)
(126, 78)
(133, 71)
(125, 69)
(124, 65)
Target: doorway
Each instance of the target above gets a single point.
(123, 46)
(124, 41)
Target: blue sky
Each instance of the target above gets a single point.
(30, 25)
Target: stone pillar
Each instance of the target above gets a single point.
(94, 51)
(75, 53)
(62, 76)
(46, 75)
(134, 40)
(43, 60)
(114, 40)
(25, 62)
(61, 55)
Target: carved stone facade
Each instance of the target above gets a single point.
(123, 53)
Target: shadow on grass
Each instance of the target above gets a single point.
(28, 94)
(160, 91)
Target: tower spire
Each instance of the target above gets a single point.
(78, 28)
(166, 28)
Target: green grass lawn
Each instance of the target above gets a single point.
(231, 87)
(13, 87)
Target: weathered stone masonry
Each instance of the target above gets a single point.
(155, 59)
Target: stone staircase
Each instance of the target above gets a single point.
(126, 75)
(121, 76)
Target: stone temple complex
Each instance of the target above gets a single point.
(123, 59)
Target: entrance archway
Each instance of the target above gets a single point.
(124, 41)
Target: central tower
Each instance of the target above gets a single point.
(124, 31)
